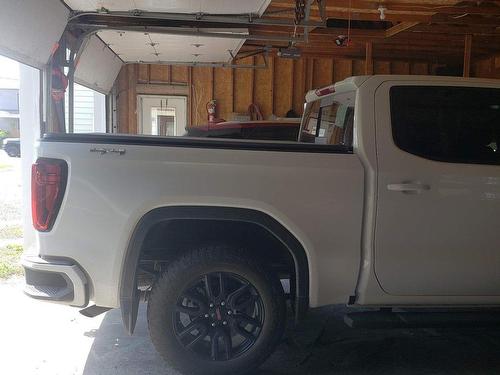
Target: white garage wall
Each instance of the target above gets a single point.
(30, 28)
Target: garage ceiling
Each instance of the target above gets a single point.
(174, 6)
(135, 46)
(428, 30)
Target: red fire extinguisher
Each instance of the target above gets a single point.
(211, 106)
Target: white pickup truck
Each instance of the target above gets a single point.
(389, 197)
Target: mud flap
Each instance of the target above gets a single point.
(130, 307)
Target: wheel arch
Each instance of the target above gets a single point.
(129, 295)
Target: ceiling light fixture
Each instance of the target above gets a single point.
(382, 9)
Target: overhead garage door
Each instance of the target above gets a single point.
(30, 28)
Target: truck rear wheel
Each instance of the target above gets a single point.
(216, 311)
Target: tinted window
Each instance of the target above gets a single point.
(451, 124)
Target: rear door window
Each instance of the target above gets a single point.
(450, 124)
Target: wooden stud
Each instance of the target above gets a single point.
(292, 85)
(382, 67)
(190, 97)
(400, 27)
(467, 54)
(273, 110)
(243, 86)
(283, 86)
(232, 90)
(252, 80)
(309, 74)
(299, 88)
(333, 70)
(212, 83)
(290, 93)
(369, 58)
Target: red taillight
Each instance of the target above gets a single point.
(48, 182)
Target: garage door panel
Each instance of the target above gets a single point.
(98, 66)
(174, 6)
(30, 28)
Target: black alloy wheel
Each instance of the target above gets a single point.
(216, 310)
(219, 316)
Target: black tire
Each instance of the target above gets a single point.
(168, 301)
(12, 151)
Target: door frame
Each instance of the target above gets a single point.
(139, 107)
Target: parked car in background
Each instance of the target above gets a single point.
(12, 146)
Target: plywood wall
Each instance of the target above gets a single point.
(487, 68)
(276, 89)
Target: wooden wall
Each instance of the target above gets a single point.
(487, 68)
(275, 90)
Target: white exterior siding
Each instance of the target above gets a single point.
(90, 111)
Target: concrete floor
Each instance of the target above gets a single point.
(42, 338)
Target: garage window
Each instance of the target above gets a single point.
(450, 124)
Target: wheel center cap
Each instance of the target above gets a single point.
(218, 315)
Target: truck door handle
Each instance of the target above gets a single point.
(408, 187)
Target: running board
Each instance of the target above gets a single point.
(93, 311)
(388, 319)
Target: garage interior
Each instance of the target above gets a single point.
(263, 52)
(253, 60)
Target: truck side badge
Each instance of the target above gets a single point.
(102, 151)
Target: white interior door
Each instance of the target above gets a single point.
(162, 115)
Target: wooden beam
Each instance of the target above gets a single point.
(467, 54)
(400, 8)
(402, 26)
(369, 59)
(469, 20)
